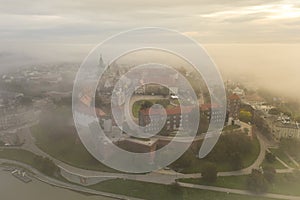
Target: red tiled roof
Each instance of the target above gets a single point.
(100, 112)
(86, 100)
(233, 97)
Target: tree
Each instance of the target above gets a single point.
(185, 161)
(269, 173)
(270, 157)
(256, 182)
(45, 165)
(146, 104)
(246, 131)
(274, 111)
(209, 172)
(245, 116)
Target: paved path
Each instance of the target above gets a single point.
(241, 192)
(281, 161)
(292, 159)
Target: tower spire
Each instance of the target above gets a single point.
(101, 63)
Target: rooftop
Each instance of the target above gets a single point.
(234, 97)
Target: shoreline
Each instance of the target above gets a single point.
(35, 174)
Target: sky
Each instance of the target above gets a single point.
(33, 31)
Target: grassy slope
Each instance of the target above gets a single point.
(287, 184)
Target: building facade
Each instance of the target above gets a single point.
(234, 106)
(175, 119)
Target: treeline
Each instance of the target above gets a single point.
(262, 126)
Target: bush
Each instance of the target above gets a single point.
(274, 111)
(45, 165)
(270, 157)
(256, 182)
(245, 116)
(185, 161)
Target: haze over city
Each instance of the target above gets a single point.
(250, 38)
(154, 100)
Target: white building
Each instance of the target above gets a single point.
(240, 92)
(281, 130)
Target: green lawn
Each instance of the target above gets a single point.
(251, 157)
(167, 192)
(137, 105)
(25, 157)
(281, 155)
(276, 164)
(287, 184)
(248, 159)
(235, 182)
(59, 139)
(231, 127)
(67, 148)
(17, 155)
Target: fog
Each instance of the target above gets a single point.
(275, 67)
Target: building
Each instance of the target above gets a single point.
(234, 106)
(283, 130)
(175, 119)
(240, 92)
(217, 115)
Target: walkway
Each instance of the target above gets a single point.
(241, 192)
